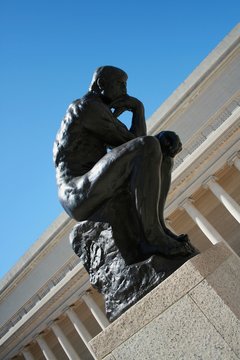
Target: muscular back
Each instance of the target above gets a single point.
(86, 130)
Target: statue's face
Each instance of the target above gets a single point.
(115, 87)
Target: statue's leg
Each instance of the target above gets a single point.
(165, 174)
(146, 186)
(83, 195)
(166, 171)
(138, 160)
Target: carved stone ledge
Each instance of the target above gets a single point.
(211, 126)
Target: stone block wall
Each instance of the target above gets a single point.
(194, 314)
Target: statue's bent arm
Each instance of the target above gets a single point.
(138, 126)
(106, 127)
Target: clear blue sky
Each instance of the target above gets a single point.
(49, 50)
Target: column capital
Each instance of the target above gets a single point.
(53, 322)
(69, 310)
(25, 348)
(27, 353)
(72, 306)
(210, 179)
(42, 332)
(187, 201)
(233, 158)
(168, 221)
(34, 338)
(88, 292)
(49, 323)
(65, 309)
(40, 335)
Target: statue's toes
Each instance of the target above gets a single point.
(183, 238)
(181, 249)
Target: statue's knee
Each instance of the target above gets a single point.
(152, 146)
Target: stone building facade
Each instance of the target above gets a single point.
(48, 309)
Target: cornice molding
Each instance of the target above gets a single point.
(34, 249)
(41, 293)
(34, 256)
(209, 157)
(233, 158)
(208, 128)
(66, 292)
(191, 87)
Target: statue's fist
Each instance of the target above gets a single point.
(170, 143)
(124, 103)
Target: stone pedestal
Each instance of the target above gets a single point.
(121, 283)
(193, 314)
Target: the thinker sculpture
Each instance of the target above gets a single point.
(114, 182)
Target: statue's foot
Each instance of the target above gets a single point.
(178, 249)
(149, 249)
(182, 247)
(183, 238)
(180, 238)
(167, 248)
(182, 250)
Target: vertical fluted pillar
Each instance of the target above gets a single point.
(168, 223)
(235, 160)
(96, 311)
(65, 343)
(236, 163)
(27, 354)
(228, 202)
(80, 328)
(210, 232)
(47, 352)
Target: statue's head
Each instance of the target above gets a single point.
(109, 81)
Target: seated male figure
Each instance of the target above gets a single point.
(89, 175)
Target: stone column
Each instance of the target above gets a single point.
(236, 163)
(47, 352)
(95, 310)
(81, 329)
(65, 343)
(223, 197)
(27, 354)
(235, 160)
(210, 232)
(168, 223)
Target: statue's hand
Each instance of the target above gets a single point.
(170, 143)
(126, 103)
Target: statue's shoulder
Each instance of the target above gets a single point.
(89, 102)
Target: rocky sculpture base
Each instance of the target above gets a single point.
(122, 283)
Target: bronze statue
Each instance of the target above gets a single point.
(105, 171)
